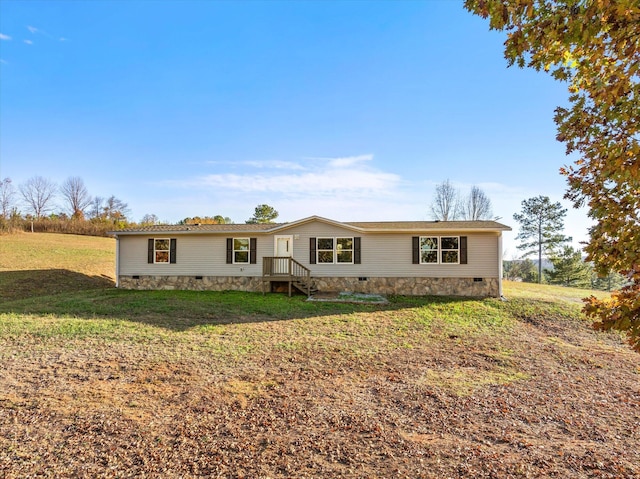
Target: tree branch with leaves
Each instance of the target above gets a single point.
(593, 46)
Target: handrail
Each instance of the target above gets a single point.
(286, 267)
(299, 271)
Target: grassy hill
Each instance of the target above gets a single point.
(34, 264)
(103, 382)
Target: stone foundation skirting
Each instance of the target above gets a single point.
(477, 287)
(197, 283)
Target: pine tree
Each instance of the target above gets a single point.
(541, 223)
(569, 269)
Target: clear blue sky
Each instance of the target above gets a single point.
(349, 110)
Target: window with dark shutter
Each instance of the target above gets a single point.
(253, 246)
(172, 250)
(229, 250)
(150, 251)
(463, 250)
(312, 251)
(416, 249)
(357, 258)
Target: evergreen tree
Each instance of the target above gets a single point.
(569, 269)
(521, 270)
(541, 224)
(263, 214)
(611, 282)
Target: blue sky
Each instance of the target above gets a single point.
(349, 110)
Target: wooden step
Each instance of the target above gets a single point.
(303, 287)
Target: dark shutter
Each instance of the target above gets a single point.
(229, 250)
(416, 249)
(150, 251)
(172, 250)
(463, 250)
(356, 250)
(253, 244)
(312, 251)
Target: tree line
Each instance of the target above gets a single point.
(41, 205)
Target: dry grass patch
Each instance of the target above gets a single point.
(88, 255)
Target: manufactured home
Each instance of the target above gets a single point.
(461, 258)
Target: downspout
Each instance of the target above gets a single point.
(500, 265)
(117, 261)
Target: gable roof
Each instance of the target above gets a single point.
(357, 226)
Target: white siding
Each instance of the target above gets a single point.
(197, 255)
(390, 255)
(383, 255)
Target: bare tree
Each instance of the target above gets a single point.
(115, 209)
(149, 219)
(477, 206)
(446, 203)
(76, 196)
(7, 195)
(38, 194)
(95, 207)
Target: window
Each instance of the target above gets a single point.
(325, 250)
(429, 249)
(439, 250)
(335, 250)
(344, 250)
(449, 250)
(162, 250)
(240, 250)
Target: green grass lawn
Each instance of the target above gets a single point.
(87, 255)
(58, 287)
(40, 264)
(101, 382)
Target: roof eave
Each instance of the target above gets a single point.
(437, 230)
(309, 219)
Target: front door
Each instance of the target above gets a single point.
(283, 248)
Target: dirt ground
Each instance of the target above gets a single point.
(121, 410)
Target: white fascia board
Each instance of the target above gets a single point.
(319, 219)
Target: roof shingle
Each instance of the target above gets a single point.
(365, 226)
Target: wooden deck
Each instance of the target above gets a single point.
(286, 269)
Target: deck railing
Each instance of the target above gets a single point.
(285, 268)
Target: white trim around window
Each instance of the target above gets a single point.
(161, 250)
(334, 250)
(241, 247)
(439, 250)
